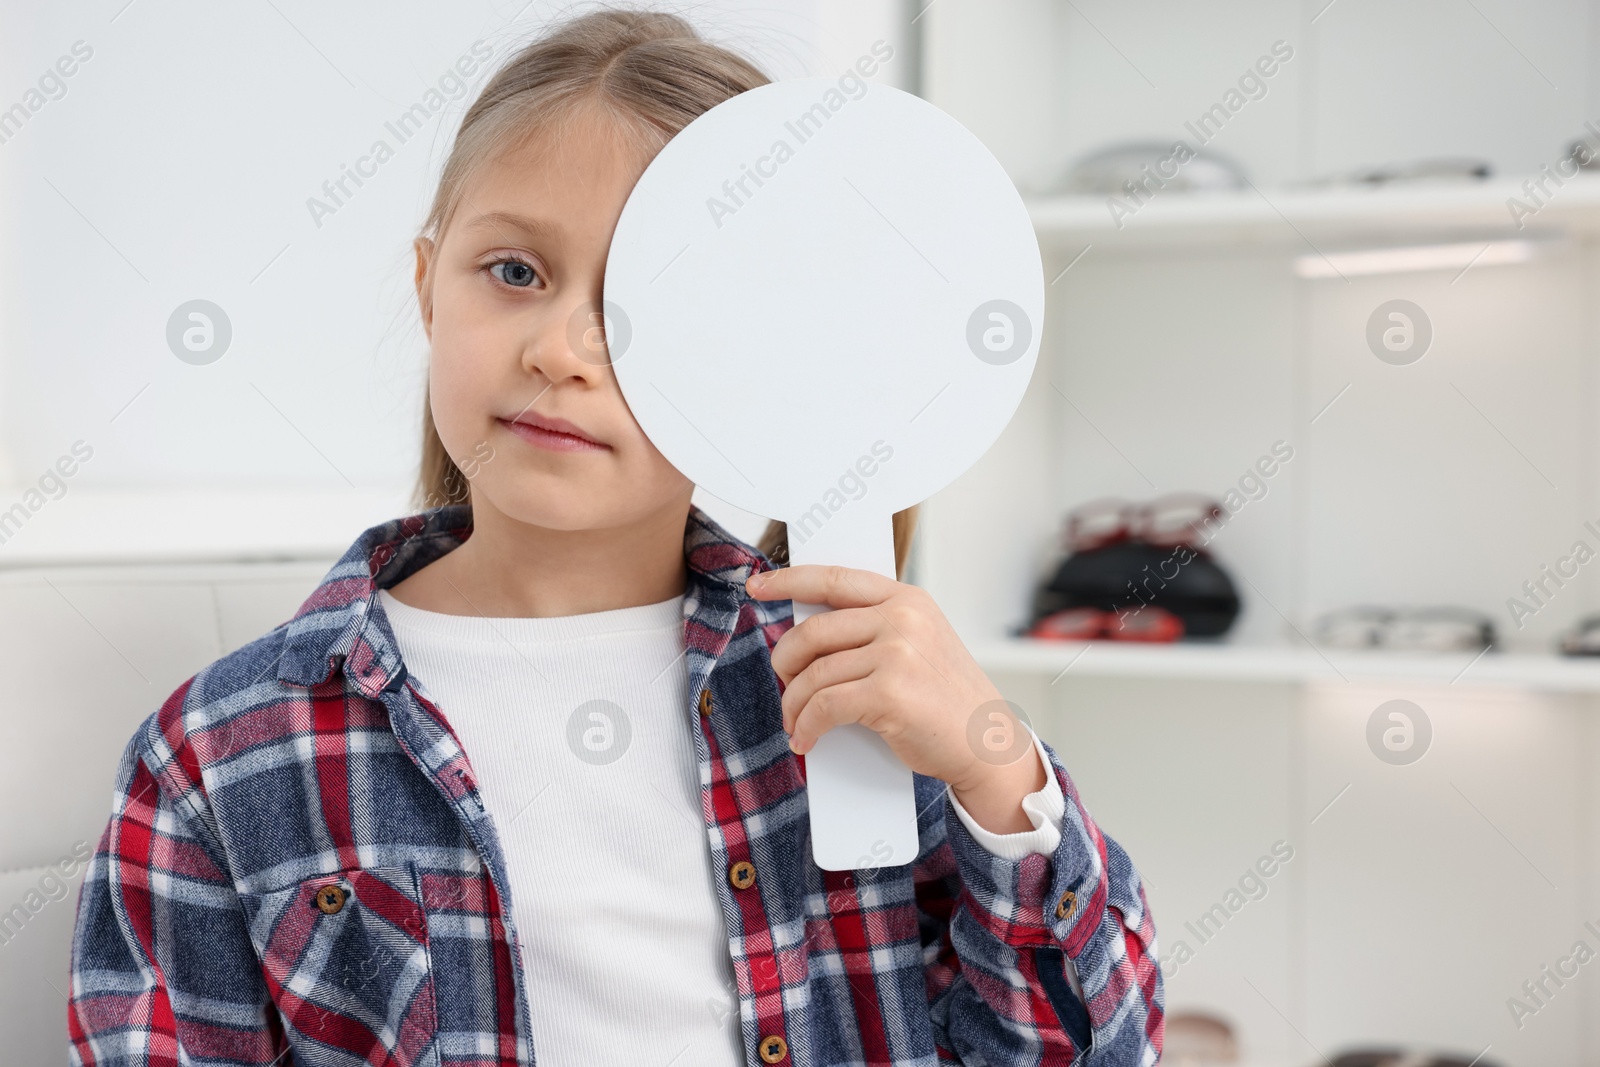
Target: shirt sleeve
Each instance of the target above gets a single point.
(1004, 939)
(163, 972)
(1044, 809)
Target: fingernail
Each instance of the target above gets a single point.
(757, 581)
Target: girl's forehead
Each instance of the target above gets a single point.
(579, 141)
(559, 183)
(558, 167)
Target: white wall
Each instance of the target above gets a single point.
(178, 165)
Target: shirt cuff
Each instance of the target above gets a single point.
(1044, 808)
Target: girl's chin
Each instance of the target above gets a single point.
(560, 506)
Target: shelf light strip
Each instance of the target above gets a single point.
(1414, 258)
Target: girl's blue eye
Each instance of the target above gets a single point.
(515, 273)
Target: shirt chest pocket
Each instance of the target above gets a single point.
(346, 960)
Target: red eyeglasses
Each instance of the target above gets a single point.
(1147, 623)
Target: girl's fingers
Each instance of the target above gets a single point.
(811, 583)
(830, 707)
(822, 634)
(824, 673)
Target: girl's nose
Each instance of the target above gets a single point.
(570, 344)
(591, 333)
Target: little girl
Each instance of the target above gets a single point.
(524, 778)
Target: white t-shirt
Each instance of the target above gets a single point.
(580, 731)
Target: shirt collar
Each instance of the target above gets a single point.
(339, 627)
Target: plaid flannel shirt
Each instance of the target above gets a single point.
(298, 869)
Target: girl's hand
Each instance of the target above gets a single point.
(887, 658)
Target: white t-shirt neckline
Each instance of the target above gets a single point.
(484, 628)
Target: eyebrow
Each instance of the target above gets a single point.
(503, 220)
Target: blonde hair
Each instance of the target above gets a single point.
(652, 74)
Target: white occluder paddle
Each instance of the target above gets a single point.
(823, 308)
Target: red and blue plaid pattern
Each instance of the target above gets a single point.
(298, 870)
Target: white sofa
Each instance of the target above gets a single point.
(85, 654)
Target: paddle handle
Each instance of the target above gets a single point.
(862, 799)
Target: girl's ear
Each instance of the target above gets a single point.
(425, 249)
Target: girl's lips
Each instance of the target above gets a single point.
(552, 440)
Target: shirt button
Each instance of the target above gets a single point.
(773, 1048)
(705, 701)
(330, 899)
(742, 875)
(1066, 905)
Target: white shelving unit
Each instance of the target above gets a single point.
(1178, 347)
(1261, 663)
(1290, 222)
(1287, 217)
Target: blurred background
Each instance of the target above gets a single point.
(1287, 551)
